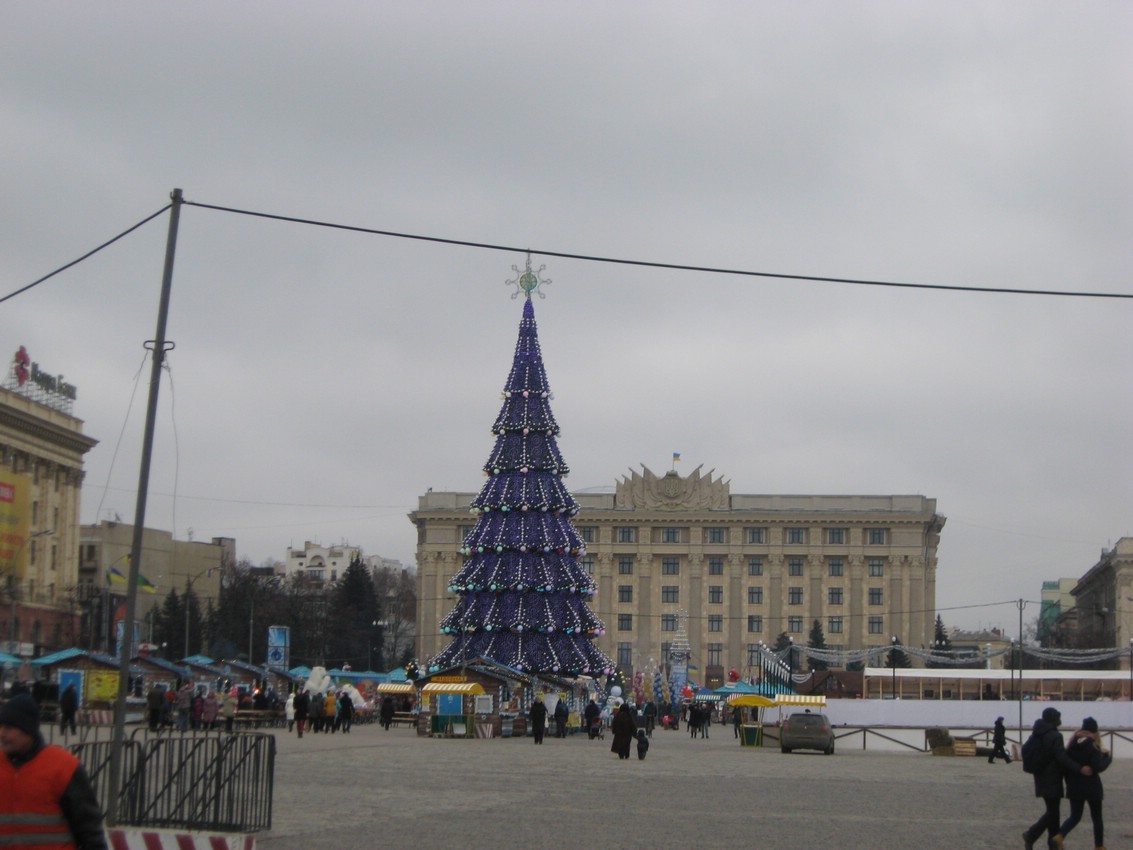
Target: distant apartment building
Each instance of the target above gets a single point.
(737, 570)
(1102, 615)
(166, 565)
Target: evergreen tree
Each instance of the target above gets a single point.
(523, 595)
(817, 641)
(353, 632)
(941, 646)
(896, 657)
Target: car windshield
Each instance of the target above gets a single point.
(808, 721)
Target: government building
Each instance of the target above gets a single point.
(675, 554)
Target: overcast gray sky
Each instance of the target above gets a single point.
(323, 379)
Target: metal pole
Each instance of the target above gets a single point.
(1021, 605)
(158, 348)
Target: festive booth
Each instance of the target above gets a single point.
(751, 734)
(452, 709)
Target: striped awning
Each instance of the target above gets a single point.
(467, 688)
(395, 688)
(800, 699)
(750, 701)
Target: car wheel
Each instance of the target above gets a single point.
(830, 750)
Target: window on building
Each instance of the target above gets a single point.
(755, 566)
(794, 596)
(876, 596)
(757, 535)
(796, 536)
(670, 566)
(716, 594)
(876, 625)
(625, 622)
(715, 566)
(795, 567)
(755, 596)
(876, 568)
(834, 595)
(625, 593)
(876, 536)
(588, 533)
(625, 654)
(835, 536)
(752, 654)
(626, 534)
(587, 564)
(834, 625)
(668, 624)
(465, 530)
(670, 535)
(334, 575)
(625, 565)
(716, 653)
(794, 624)
(716, 535)
(670, 593)
(715, 623)
(754, 623)
(836, 566)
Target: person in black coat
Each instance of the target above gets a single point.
(625, 731)
(538, 713)
(1048, 779)
(68, 708)
(999, 743)
(1085, 748)
(302, 706)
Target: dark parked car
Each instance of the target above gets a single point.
(807, 732)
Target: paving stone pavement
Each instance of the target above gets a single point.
(374, 788)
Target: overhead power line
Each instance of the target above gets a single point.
(590, 258)
(85, 256)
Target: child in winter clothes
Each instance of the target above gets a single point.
(643, 744)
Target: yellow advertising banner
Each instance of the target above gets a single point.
(102, 685)
(14, 516)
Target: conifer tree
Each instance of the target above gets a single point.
(523, 594)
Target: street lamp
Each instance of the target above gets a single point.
(893, 666)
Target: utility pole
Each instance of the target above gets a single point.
(158, 346)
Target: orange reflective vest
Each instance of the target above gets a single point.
(30, 814)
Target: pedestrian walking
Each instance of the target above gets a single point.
(561, 715)
(624, 729)
(538, 714)
(211, 711)
(642, 744)
(289, 712)
(302, 705)
(68, 708)
(999, 743)
(228, 710)
(1086, 749)
(1051, 765)
(345, 712)
(46, 799)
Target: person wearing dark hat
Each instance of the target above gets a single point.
(999, 743)
(46, 799)
(1048, 778)
(1085, 748)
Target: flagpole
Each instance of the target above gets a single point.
(158, 346)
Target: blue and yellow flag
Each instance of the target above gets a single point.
(676, 456)
(116, 576)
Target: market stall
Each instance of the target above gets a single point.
(452, 708)
(751, 734)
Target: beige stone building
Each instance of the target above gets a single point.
(166, 564)
(1102, 614)
(737, 570)
(41, 473)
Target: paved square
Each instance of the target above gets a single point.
(374, 788)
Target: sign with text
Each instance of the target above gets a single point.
(14, 515)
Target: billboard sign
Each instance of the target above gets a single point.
(14, 513)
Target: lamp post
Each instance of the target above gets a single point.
(188, 590)
(15, 637)
(893, 666)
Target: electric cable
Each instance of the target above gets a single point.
(85, 256)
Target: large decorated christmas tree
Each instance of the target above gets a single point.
(523, 594)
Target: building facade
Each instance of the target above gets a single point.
(166, 565)
(735, 570)
(319, 563)
(41, 473)
(1102, 615)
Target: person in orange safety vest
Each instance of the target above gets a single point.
(46, 799)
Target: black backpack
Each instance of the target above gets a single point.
(1033, 756)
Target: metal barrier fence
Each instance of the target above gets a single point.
(204, 782)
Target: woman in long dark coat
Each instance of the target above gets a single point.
(625, 731)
